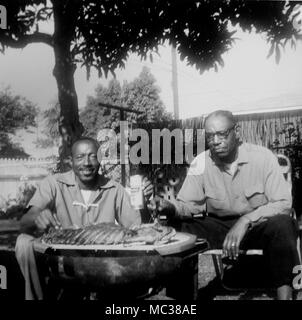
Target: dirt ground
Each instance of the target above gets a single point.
(210, 290)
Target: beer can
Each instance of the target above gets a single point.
(136, 192)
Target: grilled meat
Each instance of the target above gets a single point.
(152, 233)
(109, 233)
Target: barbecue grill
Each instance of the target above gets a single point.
(117, 268)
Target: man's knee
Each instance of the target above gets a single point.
(282, 226)
(23, 245)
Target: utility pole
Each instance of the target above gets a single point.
(175, 82)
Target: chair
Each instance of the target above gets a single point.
(216, 254)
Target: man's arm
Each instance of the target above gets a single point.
(27, 222)
(277, 192)
(39, 216)
(37, 219)
(190, 200)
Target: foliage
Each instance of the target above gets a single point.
(141, 94)
(291, 146)
(95, 117)
(199, 29)
(51, 119)
(16, 112)
(15, 207)
(11, 149)
(102, 34)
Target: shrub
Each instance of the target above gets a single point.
(14, 208)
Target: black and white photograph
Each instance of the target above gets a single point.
(150, 150)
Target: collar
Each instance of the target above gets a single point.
(68, 178)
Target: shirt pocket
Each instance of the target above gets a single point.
(216, 198)
(255, 195)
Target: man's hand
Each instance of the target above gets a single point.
(162, 206)
(147, 188)
(233, 238)
(46, 219)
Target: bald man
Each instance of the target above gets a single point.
(243, 198)
(77, 198)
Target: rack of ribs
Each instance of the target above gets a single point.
(110, 234)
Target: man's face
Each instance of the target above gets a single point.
(221, 137)
(84, 161)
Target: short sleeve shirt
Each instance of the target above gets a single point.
(61, 194)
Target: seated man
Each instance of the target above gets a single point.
(77, 198)
(246, 199)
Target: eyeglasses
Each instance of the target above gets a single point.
(221, 135)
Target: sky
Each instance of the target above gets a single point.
(249, 80)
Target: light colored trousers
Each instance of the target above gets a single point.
(26, 258)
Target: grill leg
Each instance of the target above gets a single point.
(183, 285)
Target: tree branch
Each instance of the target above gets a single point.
(24, 40)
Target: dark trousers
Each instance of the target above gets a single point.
(276, 236)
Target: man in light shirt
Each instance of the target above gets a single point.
(77, 198)
(236, 197)
(81, 197)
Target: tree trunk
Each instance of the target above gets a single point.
(65, 15)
